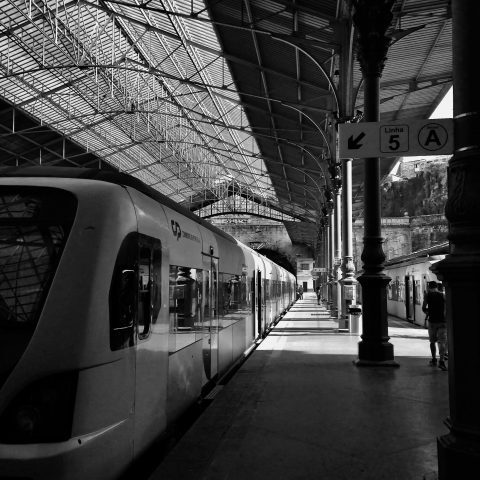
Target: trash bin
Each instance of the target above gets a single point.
(355, 313)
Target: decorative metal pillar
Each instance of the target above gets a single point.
(372, 18)
(349, 282)
(345, 86)
(337, 260)
(459, 451)
(327, 212)
(323, 274)
(331, 259)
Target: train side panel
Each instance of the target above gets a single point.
(187, 289)
(233, 304)
(151, 372)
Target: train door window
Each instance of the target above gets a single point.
(185, 300)
(134, 297)
(149, 267)
(416, 293)
(231, 292)
(214, 289)
(123, 295)
(244, 293)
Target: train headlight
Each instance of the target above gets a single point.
(26, 420)
(42, 412)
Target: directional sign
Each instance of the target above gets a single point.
(388, 139)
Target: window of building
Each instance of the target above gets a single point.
(304, 266)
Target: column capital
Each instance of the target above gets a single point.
(372, 19)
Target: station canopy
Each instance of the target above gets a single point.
(208, 100)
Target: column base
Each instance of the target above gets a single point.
(457, 457)
(375, 354)
(375, 363)
(343, 323)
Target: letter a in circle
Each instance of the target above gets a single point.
(432, 137)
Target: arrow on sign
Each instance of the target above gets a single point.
(353, 144)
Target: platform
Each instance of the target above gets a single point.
(298, 408)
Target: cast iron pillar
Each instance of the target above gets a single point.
(323, 274)
(331, 260)
(345, 32)
(337, 272)
(372, 19)
(459, 451)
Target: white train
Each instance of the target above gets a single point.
(118, 310)
(410, 275)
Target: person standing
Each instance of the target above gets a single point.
(434, 307)
(300, 291)
(319, 294)
(441, 289)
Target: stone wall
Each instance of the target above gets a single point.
(403, 235)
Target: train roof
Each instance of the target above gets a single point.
(109, 176)
(440, 249)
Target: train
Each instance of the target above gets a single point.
(410, 275)
(118, 310)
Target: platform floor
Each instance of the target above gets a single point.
(299, 408)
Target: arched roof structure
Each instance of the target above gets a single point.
(190, 96)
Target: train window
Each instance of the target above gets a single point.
(135, 291)
(416, 293)
(123, 294)
(266, 289)
(34, 225)
(185, 301)
(395, 288)
(232, 298)
(149, 266)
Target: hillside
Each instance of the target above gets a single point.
(421, 192)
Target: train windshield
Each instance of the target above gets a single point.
(34, 225)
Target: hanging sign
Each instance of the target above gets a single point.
(400, 138)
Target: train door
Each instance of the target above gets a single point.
(259, 302)
(409, 298)
(151, 358)
(210, 316)
(253, 293)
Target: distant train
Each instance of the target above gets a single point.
(409, 277)
(118, 309)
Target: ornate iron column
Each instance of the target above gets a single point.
(459, 451)
(323, 263)
(331, 259)
(337, 259)
(327, 212)
(372, 19)
(345, 85)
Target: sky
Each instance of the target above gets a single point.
(445, 107)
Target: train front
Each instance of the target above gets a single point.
(66, 399)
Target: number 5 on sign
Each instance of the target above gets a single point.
(394, 139)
